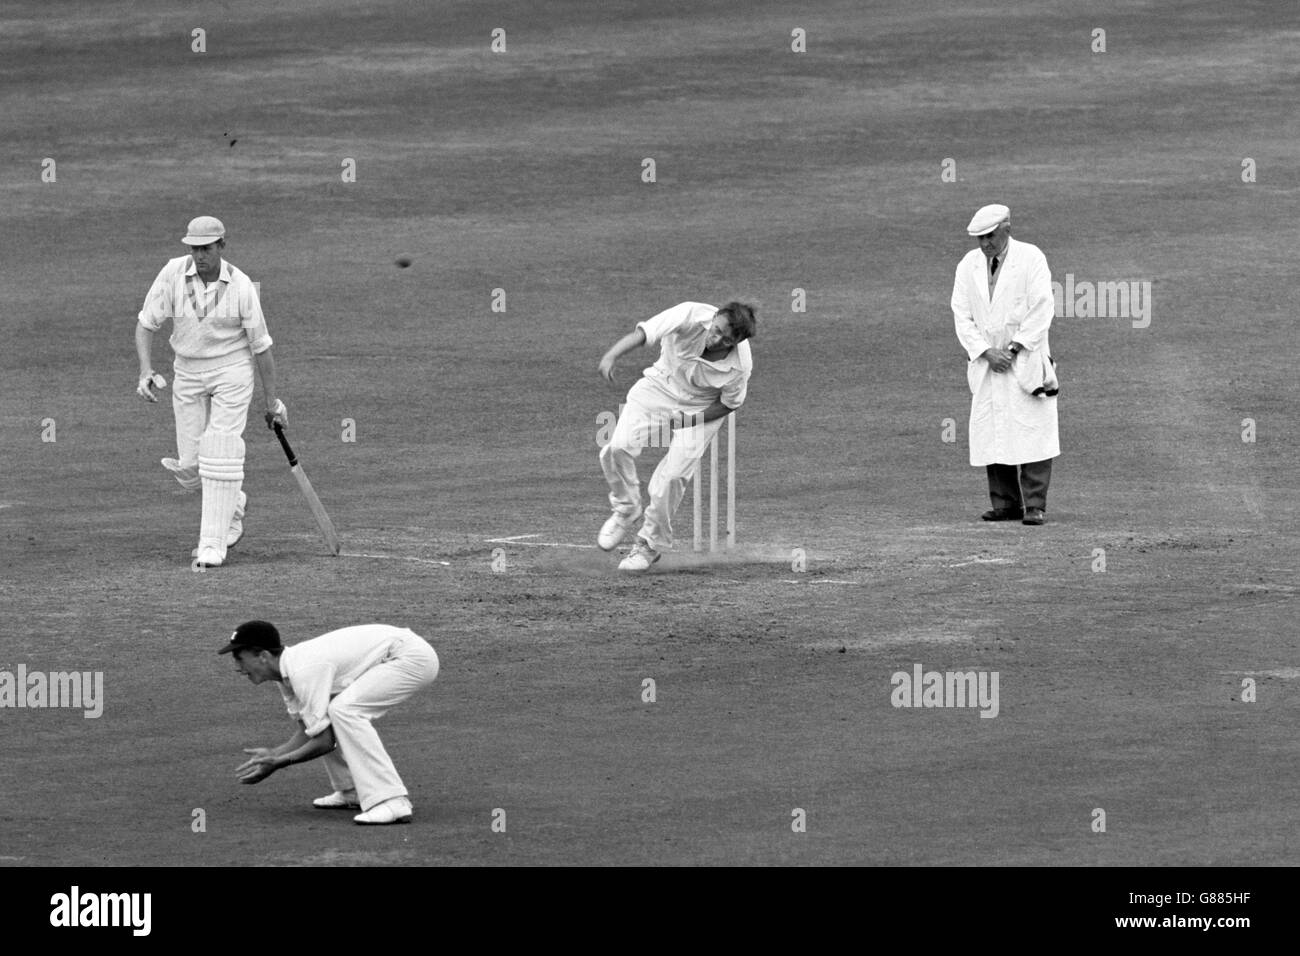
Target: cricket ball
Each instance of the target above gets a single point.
(403, 262)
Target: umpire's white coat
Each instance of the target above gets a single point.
(1008, 425)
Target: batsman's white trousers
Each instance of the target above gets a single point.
(215, 400)
(360, 761)
(645, 421)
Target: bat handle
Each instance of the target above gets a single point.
(284, 442)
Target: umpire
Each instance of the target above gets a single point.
(1002, 306)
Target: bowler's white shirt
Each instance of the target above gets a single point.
(214, 324)
(682, 372)
(318, 669)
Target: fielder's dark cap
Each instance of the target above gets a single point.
(253, 636)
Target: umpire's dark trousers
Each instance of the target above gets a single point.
(1018, 492)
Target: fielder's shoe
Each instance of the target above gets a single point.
(338, 800)
(188, 477)
(614, 530)
(1034, 516)
(1003, 514)
(640, 557)
(396, 810)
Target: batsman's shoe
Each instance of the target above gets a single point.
(640, 557)
(237, 521)
(396, 810)
(1034, 516)
(338, 800)
(614, 530)
(208, 557)
(188, 477)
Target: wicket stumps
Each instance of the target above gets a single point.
(697, 490)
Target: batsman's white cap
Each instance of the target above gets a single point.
(203, 230)
(987, 219)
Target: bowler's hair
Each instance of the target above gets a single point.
(741, 318)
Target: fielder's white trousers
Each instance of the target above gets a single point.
(360, 761)
(217, 399)
(645, 421)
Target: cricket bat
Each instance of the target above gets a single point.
(322, 519)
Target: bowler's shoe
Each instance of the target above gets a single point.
(640, 557)
(1003, 514)
(1034, 516)
(615, 529)
(338, 800)
(396, 810)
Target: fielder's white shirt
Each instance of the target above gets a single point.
(316, 670)
(214, 325)
(682, 371)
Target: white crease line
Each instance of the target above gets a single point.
(392, 557)
(816, 581)
(535, 544)
(963, 564)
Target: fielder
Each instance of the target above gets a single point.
(219, 336)
(1002, 306)
(334, 686)
(701, 377)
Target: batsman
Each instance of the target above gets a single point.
(219, 338)
(702, 376)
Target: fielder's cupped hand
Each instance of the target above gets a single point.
(258, 767)
(606, 367)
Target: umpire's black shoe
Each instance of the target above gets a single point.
(1003, 514)
(1034, 516)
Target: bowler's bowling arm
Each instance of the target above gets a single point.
(712, 413)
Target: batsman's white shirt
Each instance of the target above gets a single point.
(319, 669)
(214, 324)
(1008, 426)
(687, 377)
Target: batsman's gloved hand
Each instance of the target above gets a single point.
(277, 414)
(144, 388)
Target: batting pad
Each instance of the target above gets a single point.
(221, 467)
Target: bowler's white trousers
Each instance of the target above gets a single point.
(360, 761)
(645, 421)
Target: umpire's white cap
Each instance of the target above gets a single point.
(987, 219)
(203, 230)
